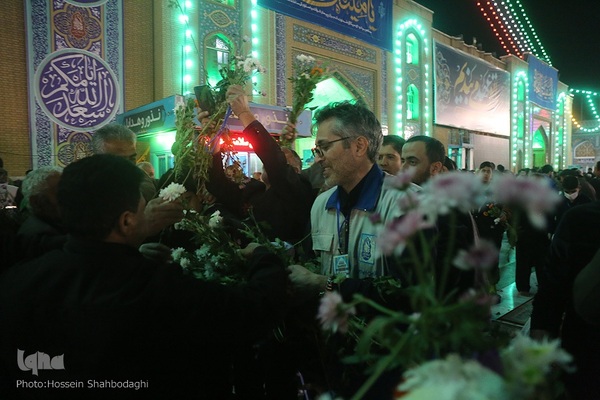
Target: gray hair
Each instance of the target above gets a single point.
(353, 119)
(109, 133)
(36, 182)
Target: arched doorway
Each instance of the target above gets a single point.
(539, 147)
(585, 155)
(329, 90)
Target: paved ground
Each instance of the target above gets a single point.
(506, 287)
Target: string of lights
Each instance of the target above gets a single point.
(589, 98)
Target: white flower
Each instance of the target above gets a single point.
(185, 263)
(527, 362)
(482, 255)
(184, 225)
(453, 379)
(304, 59)
(172, 192)
(177, 253)
(333, 314)
(209, 272)
(414, 317)
(202, 252)
(250, 64)
(215, 219)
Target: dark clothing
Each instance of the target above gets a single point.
(531, 250)
(118, 316)
(284, 207)
(566, 204)
(36, 237)
(574, 244)
(595, 183)
(492, 230)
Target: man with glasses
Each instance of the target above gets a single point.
(343, 231)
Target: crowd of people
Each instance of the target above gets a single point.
(86, 275)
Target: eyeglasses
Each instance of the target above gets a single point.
(320, 149)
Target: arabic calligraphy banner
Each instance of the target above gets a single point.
(367, 20)
(543, 83)
(470, 93)
(74, 63)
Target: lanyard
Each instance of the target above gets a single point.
(343, 231)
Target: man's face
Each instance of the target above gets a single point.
(486, 174)
(121, 148)
(414, 156)
(389, 159)
(337, 161)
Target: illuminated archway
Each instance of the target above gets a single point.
(330, 90)
(327, 91)
(539, 146)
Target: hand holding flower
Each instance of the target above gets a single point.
(160, 214)
(157, 252)
(306, 284)
(289, 133)
(238, 101)
(249, 250)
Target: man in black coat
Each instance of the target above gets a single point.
(97, 320)
(575, 242)
(282, 204)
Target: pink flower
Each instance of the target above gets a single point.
(333, 313)
(482, 255)
(375, 218)
(452, 190)
(395, 235)
(534, 195)
(400, 181)
(410, 200)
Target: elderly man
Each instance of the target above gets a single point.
(115, 324)
(120, 141)
(41, 231)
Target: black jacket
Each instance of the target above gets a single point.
(119, 317)
(285, 207)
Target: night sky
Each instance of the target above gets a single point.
(569, 30)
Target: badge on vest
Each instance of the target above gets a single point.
(341, 265)
(366, 249)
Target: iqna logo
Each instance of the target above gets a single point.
(38, 361)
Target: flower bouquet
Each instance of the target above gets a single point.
(193, 148)
(306, 73)
(444, 345)
(217, 256)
